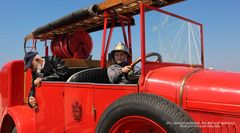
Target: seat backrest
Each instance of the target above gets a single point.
(73, 70)
(92, 75)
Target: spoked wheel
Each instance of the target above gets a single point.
(145, 113)
(136, 124)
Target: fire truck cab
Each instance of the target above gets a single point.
(172, 91)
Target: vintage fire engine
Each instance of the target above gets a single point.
(173, 92)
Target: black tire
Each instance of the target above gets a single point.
(160, 110)
(8, 125)
(14, 130)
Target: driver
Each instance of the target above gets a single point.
(118, 72)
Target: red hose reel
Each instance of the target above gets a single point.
(78, 45)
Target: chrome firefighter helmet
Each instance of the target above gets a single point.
(120, 47)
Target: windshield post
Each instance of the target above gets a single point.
(142, 36)
(130, 41)
(202, 44)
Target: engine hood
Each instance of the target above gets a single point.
(212, 90)
(197, 89)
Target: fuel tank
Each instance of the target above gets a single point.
(197, 88)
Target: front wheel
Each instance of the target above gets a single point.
(145, 113)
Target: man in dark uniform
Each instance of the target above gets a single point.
(49, 68)
(118, 72)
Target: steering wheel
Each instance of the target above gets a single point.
(133, 75)
(159, 58)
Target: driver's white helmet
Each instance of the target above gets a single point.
(120, 47)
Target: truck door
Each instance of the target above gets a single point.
(79, 115)
(50, 117)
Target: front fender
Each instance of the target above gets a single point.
(24, 119)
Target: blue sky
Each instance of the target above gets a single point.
(220, 19)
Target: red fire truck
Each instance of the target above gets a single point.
(173, 92)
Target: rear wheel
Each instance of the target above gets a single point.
(145, 113)
(14, 130)
(8, 125)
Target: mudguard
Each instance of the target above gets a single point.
(24, 119)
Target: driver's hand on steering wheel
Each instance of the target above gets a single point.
(126, 69)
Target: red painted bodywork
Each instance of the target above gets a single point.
(24, 119)
(11, 85)
(211, 97)
(57, 103)
(208, 95)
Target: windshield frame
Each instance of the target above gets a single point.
(149, 65)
